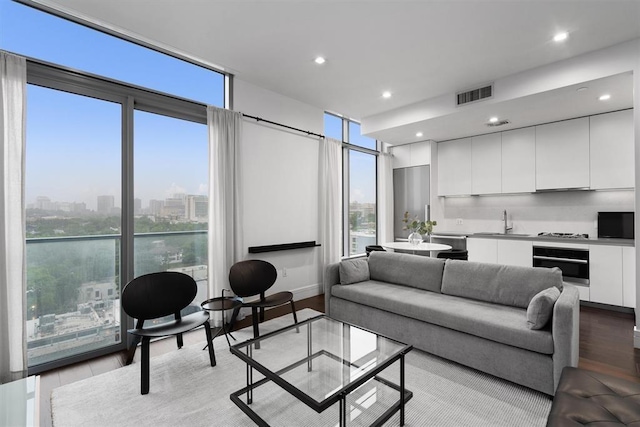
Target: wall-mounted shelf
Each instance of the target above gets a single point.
(282, 247)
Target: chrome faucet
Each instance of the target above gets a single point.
(504, 218)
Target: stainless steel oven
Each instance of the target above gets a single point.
(574, 263)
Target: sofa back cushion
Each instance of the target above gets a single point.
(500, 284)
(409, 270)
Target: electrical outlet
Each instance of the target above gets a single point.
(458, 221)
(284, 272)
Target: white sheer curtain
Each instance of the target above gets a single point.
(13, 342)
(330, 191)
(385, 196)
(225, 211)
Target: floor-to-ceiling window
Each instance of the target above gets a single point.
(359, 184)
(116, 177)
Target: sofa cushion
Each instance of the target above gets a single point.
(408, 270)
(496, 283)
(354, 271)
(503, 324)
(541, 307)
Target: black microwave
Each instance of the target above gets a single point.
(616, 225)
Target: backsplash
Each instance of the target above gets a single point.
(566, 211)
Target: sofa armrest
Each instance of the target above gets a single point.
(566, 331)
(331, 277)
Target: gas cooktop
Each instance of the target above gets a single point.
(564, 235)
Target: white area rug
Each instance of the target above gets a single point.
(186, 391)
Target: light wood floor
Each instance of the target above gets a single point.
(606, 345)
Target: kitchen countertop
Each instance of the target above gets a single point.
(536, 238)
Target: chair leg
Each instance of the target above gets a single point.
(132, 350)
(179, 339)
(295, 317)
(261, 314)
(255, 320)
(212, 354)
(144, 376)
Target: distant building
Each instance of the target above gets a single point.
(44, 203)
(106, 204)
(360, 240)
(137, 206)
(197, 208)
(174, 208)
(156, 207)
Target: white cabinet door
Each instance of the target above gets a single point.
(519, 160)
(562, 155)
(482, 250)
(486, 162)
(515, 252)
(612, 150)
(401, 156)
(454, 167)
(629, 276)
(605, 274)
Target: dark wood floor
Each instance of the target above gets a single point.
(606, 345)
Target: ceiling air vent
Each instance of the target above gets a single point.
(474, 95)
(498, 123)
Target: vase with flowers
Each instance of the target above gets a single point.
(418, 228)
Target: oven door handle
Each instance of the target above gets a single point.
(570, 260)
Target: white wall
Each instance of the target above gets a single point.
(280, 182)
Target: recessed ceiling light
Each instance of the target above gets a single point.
(582, 89)
(419, 134)
(560, 37)
(386, 94)
(319, 60)
(605, 97)
(493, 119)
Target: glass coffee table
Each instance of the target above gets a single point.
(321, 362)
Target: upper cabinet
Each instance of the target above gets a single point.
(612, 151)
(409, 155)
(486, 160)
(519, 160)
(562, 155)
(594, 152)
(454, 167)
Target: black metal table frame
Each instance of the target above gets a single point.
(339, 396)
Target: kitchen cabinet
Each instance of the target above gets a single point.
(486, 164)
(515, 252)
(629, 276)
(482, 250)
(519, 160)
(454, 167)
(409, 155)
(612, 150)
(562, 155)
(605, 274)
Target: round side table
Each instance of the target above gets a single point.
(222, 304)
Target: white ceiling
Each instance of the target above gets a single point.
(415, 49)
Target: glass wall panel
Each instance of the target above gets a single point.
(171, 198)
(356, 138)
(362, 201)
(72, 190)
(333, 127)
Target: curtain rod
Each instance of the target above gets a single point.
(344, 144)
(259, 119)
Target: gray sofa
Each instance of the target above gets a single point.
(472, 313)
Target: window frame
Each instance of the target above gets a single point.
(131, 98)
